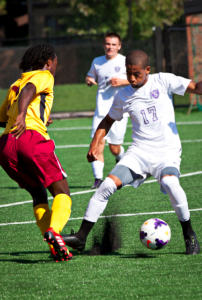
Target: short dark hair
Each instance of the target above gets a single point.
(113, 34)
(36, 57)
(137, 57)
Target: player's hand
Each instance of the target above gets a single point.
(20, 126)
(114, 81)
(49, 121)
(90, 81)
(92, 154)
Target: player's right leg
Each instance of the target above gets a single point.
(98, 165)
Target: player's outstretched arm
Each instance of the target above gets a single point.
(90, 81)
(100, 133)
(194, 88)
(114, 81)
(25, 98)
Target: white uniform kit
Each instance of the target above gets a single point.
(103, 70)
(156, 144)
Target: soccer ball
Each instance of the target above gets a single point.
(155, 234)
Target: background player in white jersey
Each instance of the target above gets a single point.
(110, 72)
(156, 146)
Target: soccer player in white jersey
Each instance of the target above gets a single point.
(155, 149)
(109, 71)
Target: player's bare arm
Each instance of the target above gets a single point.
(25, 98)
(100, 133)
(90, 81)
(114, 81)
(194, 88)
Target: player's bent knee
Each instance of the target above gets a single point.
(124, 174)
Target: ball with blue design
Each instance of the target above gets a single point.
(155, 234)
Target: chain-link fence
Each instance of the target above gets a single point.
(174, 49)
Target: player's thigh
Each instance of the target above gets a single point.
(9, 160)
(40, 159)
(117, 132)
(124, 174)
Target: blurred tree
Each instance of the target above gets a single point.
(100, 16)
(149, 13)
(95, 16)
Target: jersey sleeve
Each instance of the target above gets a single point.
(3, 110)
(116, 110)
(175, 84)
(92, 72)
(43, 82)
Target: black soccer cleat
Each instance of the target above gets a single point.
(60, 252)
(192, 245)
(72, 241)
(97, 183)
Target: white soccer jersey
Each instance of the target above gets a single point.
(102, 70)
(151, 111)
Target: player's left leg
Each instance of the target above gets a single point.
(60, 213)
(178, 199)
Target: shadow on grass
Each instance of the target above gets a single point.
(27, 261)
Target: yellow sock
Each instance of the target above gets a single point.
(42, 215)
(60, 212)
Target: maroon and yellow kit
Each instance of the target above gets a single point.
(38, 110)
(30, 159)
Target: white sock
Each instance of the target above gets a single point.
(119, 156)
(97, 167)
(99, 201)
(177, 197)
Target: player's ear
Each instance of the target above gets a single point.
(49, 62)
(119, 47)
(148, 69)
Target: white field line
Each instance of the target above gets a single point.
(90, 191)
(109, 216)
(126, 144)
(89, 127)
(130, 125)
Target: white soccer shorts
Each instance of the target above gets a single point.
(117, 132)
(146, 163)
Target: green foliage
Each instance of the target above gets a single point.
(2, 7)
(100, 16)
(147, 13)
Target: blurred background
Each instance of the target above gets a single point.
(170, 31)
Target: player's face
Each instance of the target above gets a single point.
(136, 75)
(111, 47)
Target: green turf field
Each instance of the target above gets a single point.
(79, 97)
(132, 272)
